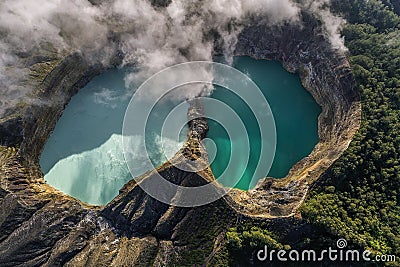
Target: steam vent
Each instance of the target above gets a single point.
(42, 226)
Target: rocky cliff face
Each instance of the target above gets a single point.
(41, 226)
(326, 74)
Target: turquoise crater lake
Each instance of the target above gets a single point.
(84, 157)
(296, 119)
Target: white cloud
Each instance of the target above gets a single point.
(153, 38)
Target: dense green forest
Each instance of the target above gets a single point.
(358, 198)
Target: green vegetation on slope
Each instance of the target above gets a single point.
(358, 198)
(245, 240)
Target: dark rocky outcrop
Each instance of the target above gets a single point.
(11, 131)
(42, 226)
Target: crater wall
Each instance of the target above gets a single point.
(42, 226)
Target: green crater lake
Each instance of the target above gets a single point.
(84, 157)
(296, 119)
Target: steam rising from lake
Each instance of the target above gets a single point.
(148, 36)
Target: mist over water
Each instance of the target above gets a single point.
(148, 36)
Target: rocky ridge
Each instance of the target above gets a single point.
(42, 226)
